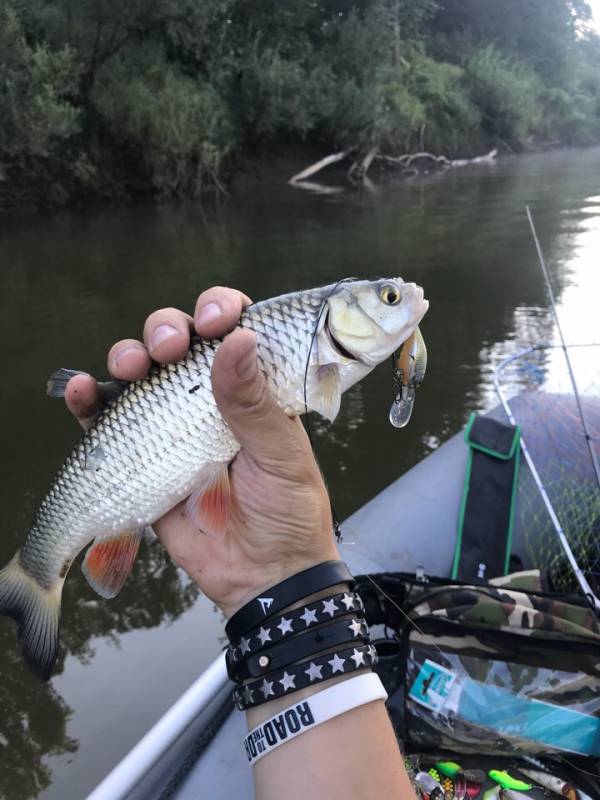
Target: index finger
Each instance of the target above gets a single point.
(218, 311)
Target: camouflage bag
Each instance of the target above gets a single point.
(497, 669)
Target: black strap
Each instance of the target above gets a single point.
(284, 594)
(306, 673)
(297, 620)
(304, 645)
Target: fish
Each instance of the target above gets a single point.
(162, 439)
(408, 376)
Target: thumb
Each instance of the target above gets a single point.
(248, 407)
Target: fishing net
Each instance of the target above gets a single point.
(543, 404)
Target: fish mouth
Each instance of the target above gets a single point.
(337, 346)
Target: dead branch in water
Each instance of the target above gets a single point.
(319, 165)
(359, 168)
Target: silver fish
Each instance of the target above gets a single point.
(162, 439)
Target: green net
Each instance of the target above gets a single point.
(545, 407)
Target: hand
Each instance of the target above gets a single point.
(280, 519)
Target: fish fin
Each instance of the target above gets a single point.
(324, 393)
(108, 562)
(208, 505)
(36, 610)
(57, 384)
(110, 390)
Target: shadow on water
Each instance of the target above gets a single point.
(74, 282)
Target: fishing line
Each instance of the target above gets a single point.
(337, 530)
(336, 523)
(582, 417)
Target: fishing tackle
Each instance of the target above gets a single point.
(428, 785)
(449, 768)
(492, 794)
(551, 782)
(473, 790)
(448, 786)
(506, 781)
(409, 371)
(460, 787)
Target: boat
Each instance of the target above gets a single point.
(195, 750)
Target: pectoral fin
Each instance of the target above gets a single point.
(108, 562)
(208, 506)
(324, 394)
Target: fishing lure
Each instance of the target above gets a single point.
(552, 783)
(507, 781)
(409, 372)
(449, 768)
(492, 794)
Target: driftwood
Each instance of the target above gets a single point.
(319, 165)
(358, 169)
(407, 159)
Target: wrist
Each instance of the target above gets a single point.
(258, 581)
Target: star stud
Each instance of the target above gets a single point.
(337, 664)
(348, 601)
(244, 646)
(249, 694)
(264, 635)
(285, 626)
(358, 657)
(373, 653)
(356, 627)
(309, 616)
(267, 688)
(329, 607)
(314, 672)
(288, 682)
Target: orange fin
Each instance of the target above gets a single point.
(108, 562)
(208, 506)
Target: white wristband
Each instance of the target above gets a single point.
(306, 714)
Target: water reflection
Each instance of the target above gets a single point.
(73, 282)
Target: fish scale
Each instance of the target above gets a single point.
(163, 438)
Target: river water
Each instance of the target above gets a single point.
(71, 283)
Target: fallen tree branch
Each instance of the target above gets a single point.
(358, 170)
(408, 158)
(319, 165)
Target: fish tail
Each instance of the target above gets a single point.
(36, 610)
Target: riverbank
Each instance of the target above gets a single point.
(100, 102)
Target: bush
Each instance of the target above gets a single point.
(176, 128)
(507, 93)
(37, 117)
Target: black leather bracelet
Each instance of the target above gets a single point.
(295, 621)
(284, 594)
(305, 674)
(304, 645)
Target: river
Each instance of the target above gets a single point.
(73, 282)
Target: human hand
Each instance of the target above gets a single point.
(280, 521)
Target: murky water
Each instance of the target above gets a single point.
(72, 283)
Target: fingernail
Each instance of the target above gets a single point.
(118, 356)
(161, 334)
(247, 366)
(209, 313)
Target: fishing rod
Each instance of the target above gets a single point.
(582, 417)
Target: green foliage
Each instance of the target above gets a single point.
(176, 128)
(506, 92)
(36, 84)
(161, 96)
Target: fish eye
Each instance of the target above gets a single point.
(390, 294)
